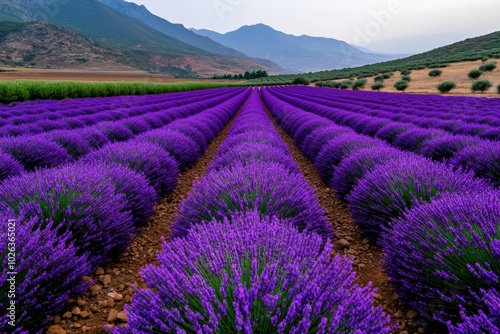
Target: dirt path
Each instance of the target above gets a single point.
(104, 303)
(367, 257)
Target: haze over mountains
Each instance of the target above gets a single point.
(130, 35)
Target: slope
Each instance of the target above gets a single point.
(178, 31)
(295, 53)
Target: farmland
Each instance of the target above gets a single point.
(257, 210)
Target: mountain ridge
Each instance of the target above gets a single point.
(297, 53)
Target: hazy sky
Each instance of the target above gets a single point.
(376, 24)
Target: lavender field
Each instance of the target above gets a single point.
(252, 247)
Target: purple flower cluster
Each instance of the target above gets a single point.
(83, 214)
(48, 268)
(446, 251)
(432, 131)
(439, 223)
(261, 261)
(252, 274)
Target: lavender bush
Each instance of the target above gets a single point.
(442, 254)
(35, 153)
(9, 167)
(48, 272)
(252, 275)
(398, 185)
(158, 166)
(80, 201)
(269, 188)
(181, 147)
(483, 160)
(445, 147)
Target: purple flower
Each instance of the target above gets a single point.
(9, 167)
(445, 251)
(483, 160)
(273, 277)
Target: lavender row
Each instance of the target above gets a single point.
(85, 117)
(65, 146)
(468, 126)
(250, 252)
(438, 227)
(463, 152)
(71, 219)
(456, 109)
(47, 107)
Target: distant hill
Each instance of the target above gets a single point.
(178, 31)
(142, 46)
(44, 45)
(482, 47)
(298, 54)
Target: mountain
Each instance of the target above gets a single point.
(143, 47)
(294, 53)
(41, 44)
(178, 31)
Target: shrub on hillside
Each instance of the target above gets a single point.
(450, 250)
(488, 66)
(406, 78)
(379, 78)
(300, 81)
(252, 274)
(498, 88)
(359, 84)
(377, 86)
(435, 73)
(387, 75)
(401, 85)
(475, 73)
(446, 86)
(438, 65)
(405, 72)
(481, 85)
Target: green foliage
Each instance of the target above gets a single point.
(378, 86)
(498, 88)
(401, 85)
(405, 72)
(300, 81)
(379, 78)
(346, 84)
(246, 76)
(481, 85)
(446, 86)
(488, 66)
(13, 91)
(431, 66)
(387, 75)
(435, 73)
(406, 78)
(475, 73)
(7, 28)
(359, 84)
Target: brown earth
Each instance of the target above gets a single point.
(39, 74)
(422, 83)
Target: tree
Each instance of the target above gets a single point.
(401, 85)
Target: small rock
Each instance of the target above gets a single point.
(85, 315)
(377, 296)
(421, 330)
(106, 279)
(99, 271)
(81, 302)
(362, 266)
(342, 243)
(110, 302)
(76, 311)
(398, 314)
(57, 319)
(112, 315)
(122, 316)
(87, 279)
(67, 315)
(56, 329)
(115, 296)
(95, 287)
(365, 241)
(404, 332)
(411, 314)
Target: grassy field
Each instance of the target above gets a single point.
(14, 91)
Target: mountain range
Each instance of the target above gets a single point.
(128, 35)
